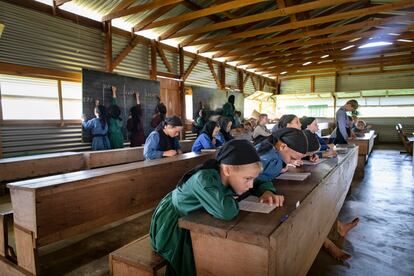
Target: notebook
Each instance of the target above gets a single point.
(252, 204)
(294, 176)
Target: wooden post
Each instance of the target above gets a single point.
(59, 84)
(222, 73)
(153, 74)
(181, 85)
(1, 125)
(312, 80)
(108, 46)
(240, 80)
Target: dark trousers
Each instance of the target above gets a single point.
(339, 138)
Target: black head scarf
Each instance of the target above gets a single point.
(224, 121)
(293, 138)
(170, 121)
(305, 121)
(209, 128)
(231, 99)
(234, 152)
(313, 141)
(285, 119)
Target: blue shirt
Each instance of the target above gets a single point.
(342, 122)
(203, 141)
(152, 146)
(324, 145)
(272, 164)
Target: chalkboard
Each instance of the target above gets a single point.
(213, 99)
(97, 85)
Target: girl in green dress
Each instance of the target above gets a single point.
(213, 187)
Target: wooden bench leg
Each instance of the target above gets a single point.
(5, 219)
(26, 249)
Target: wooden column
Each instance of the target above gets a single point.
(222, 73)
(240, 80)
(1, 125)
(108, 46)
(59, 84)
(312, 80)
(182, 90)
(153, 73)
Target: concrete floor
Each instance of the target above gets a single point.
(383, 242)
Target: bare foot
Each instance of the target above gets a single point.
(335, 251)
(344, 228)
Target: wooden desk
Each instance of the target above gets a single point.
(411, 139)
(261, 244)
(365, 144)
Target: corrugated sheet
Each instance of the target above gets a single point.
(136, 63)
(249, 87)
(173, 58)
(378, 81)
(231, 77)
(35, 39)
(28, 139)
(295, 86)
(325, 84)
(200, 75)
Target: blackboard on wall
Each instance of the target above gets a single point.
(214, 99)
(97, 85)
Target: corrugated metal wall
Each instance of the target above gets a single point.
(29, 139)
(378, 81)
(136, 63)
(35, 39)
(200, 75)
(325, 84)
(249, 87)
(295, 86)
(231, 77)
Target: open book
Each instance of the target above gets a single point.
(252, 204)
(294, 176)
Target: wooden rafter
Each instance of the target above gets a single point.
(123, 5)
(60, 2)
(203, 12)
(136, 9)
(191, 67)
(153, 73)
(108, 46)
(246, 79)
(213, 72)
(372, 22)
(310, 42)
(260, 17)
(284, 61)
(150, 18)
(281, 4)
(309, 22)
(163, 57)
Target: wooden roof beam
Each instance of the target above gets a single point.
(191, 67)
(213, 72)
(60, 2)
(140, 8)
(150, 18)
(163, 57)
(203, 12)
(261, 16)
(309, 22)
(122, 55)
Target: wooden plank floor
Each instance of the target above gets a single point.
(383, 242)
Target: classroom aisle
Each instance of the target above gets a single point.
(383, 242)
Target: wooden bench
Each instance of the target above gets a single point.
(136, 258)
(53, 208)
(284, 242)
(15, 168)
(6, 217)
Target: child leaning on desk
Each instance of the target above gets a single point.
(213, 187)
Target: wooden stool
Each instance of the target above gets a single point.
(136, 258)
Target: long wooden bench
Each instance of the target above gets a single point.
(53, 208)
(26, 167)
(136, 258)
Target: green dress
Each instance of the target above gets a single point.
(202, 190)
(115, 135)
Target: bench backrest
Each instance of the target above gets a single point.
(57, 207)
